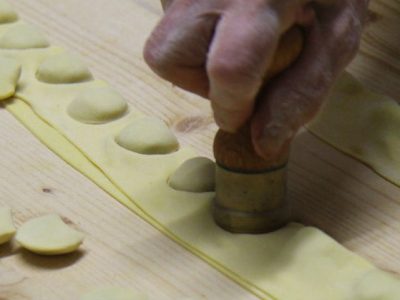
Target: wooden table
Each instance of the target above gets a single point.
(331, 190)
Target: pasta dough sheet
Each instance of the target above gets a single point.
(363, 124)
(282, 244)
(296, 262)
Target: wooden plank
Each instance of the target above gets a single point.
(331, 190)
(378, 63)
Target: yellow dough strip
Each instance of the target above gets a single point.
(62, 147)
(364, 125)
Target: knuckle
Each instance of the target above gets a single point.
(153, 54)
(347, 34)
(160, 58)
(350, 41)
(353, 42)
(223, 70)
(233, 74)
(307, 106)
(298, 105)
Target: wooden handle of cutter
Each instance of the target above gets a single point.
(235, 151)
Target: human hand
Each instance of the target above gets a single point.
(221, 49)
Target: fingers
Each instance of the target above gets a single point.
(177, 48)
(294, 98)
(221, 49)
(242, 48)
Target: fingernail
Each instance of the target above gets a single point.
(272, 138)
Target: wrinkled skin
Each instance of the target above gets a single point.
(220, 49)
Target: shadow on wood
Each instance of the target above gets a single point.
(8, 249)
(51, 262)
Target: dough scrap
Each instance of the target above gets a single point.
(10, 72)
(63, 68)
(7, 229)
(48, 235)
(23, 36)
(97, 105)
(194, 175)
(7, 13)
(298, 262)
(363, 124)
(113, 293)
(148, 135)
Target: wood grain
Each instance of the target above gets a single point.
(332, 191)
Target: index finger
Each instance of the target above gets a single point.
(242, 49)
